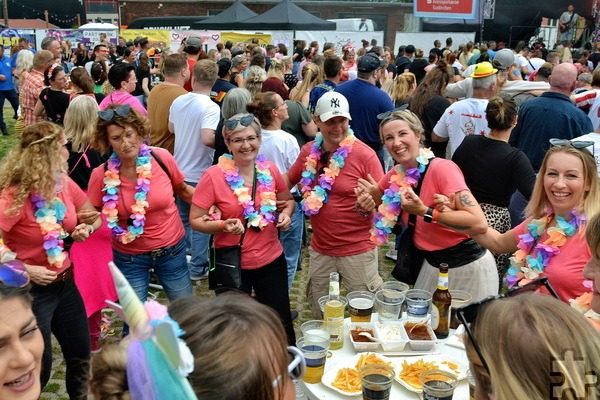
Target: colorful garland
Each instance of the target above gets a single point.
(316, 196)
(50, 216)
(265, 189)
(389, 209)
(524, 266)
(138, 210)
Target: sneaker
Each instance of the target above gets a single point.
(5, 131)
(199, 277)
(392, 255)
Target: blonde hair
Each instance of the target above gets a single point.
(544, 343)
(80, 122)
(311, 76)
(108, 374)
(276, 70)
(254, 79)
(407, 116)
(34, 165)
(401, 87)
(591, 199)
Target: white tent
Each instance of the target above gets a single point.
(98, 26)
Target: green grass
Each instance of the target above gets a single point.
(7, 143)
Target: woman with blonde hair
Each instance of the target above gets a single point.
(311, 76)
(254, 79)
(401, 88)
(277, 70)
(289, 79)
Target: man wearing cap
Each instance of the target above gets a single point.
(190, 47)
(176, 73)
(222, 85)
(328, 170)
(467, 117)
(367, 101)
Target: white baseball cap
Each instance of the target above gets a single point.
(332, 104)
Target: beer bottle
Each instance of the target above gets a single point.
(440, 312)
(333, 314)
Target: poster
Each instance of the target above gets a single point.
(459, 9)
(209, 38)
(237, 37)
(155, 37)
(10, 37)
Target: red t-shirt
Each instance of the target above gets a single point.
(338, 230)
(564, 270)
(22, 234)
(163, 224)
(188, 85)
(259, 248)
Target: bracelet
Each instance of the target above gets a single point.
(362, 213)
(222, 226)
(436, 214)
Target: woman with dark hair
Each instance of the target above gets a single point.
(99, 75)
(81, 54)
(54, 100)
(122, 79)
(142, 74)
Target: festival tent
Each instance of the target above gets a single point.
(226, 19)
(286, 16)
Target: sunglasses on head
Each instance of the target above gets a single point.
(244, 120)
(386, 114)
(468, 314)
(109, 115)
(296, 366)
(13, 273)
(582, 144)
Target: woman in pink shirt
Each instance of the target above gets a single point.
(122, 78)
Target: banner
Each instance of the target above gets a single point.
(154, 37)
(209, 38)
(459, 9)
(237, 37)
(10, 37)
(339, 39)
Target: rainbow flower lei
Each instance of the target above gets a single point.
(524, 266)
(389, 209)
(264, 181)
(111, 187)
(316, 196)
(50, 216)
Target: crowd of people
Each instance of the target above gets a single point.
(487, 154)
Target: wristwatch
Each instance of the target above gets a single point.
(428, 217)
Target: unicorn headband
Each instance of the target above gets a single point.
(158, 361)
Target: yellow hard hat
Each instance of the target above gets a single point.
(483, 70)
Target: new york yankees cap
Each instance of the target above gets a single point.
(332, 104)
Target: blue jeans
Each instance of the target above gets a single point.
(196, 242)
(13, 99)
(291, 240)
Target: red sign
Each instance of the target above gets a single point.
(445, 8)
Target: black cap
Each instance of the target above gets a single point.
(224, 65)
(370, 62)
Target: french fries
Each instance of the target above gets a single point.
(369, 358)
(410, 372)
(347, 379)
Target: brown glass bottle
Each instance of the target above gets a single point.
(440, 310)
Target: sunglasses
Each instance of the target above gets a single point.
(296, 366)
(244, 120)
(574, 143)
(468, 314)
(109, 115)
(13, 273)
(386, 114)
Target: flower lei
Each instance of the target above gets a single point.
(264, 181)
(389, 209)
(524, 266)
(50, 216)
(316, 196)
(111, 187)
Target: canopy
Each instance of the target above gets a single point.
(286, 16)
(226, 19)
(99, 26)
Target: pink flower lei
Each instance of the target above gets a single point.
(265, 188)
(50, 215)
(389, 209)
(316, 196)
(112, 182)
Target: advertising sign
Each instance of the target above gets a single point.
(459, 9)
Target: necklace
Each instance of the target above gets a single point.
(524, 266)
(389, 209)
(138, 209)
(50, 216)
(264, 186)
(316, 196)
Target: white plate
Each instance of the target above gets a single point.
(438, 359)
(331, 373)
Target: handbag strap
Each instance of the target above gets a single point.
(412, 218)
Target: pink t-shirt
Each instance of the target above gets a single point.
(22, 234)
(118, 97)
(259, 248)
(442, 177)
(564, 270)
(163, 224)
(338, 230)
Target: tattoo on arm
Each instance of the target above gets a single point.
(457, 227)
(465, 200)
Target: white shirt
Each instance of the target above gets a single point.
(594, 137)
(189, 114)
(280, 147)
(463, 118)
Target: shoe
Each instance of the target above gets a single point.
(199, 277)
(392, 255)
(5, 131)
(294, 314)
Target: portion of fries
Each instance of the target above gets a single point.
(347, 379)
(410, 372)
(369, 358)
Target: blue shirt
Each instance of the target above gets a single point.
(551, 115)
(6, 70)
(366, 102)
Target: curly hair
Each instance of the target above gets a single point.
(108, 374)
(133, 118)
(34, 165)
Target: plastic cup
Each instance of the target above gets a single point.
(323, 300)
(417, 303)
(361, 306)
(389, 304)
(376, 381)
(459, 298)
(315, 329)
(438, 384)
(315, 352)
(395, 285)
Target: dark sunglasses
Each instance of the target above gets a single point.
(386, 114)
(468, 314)
(244, 120)
(296, 366)
(108, 115)
(574, 143)
(13, 273)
